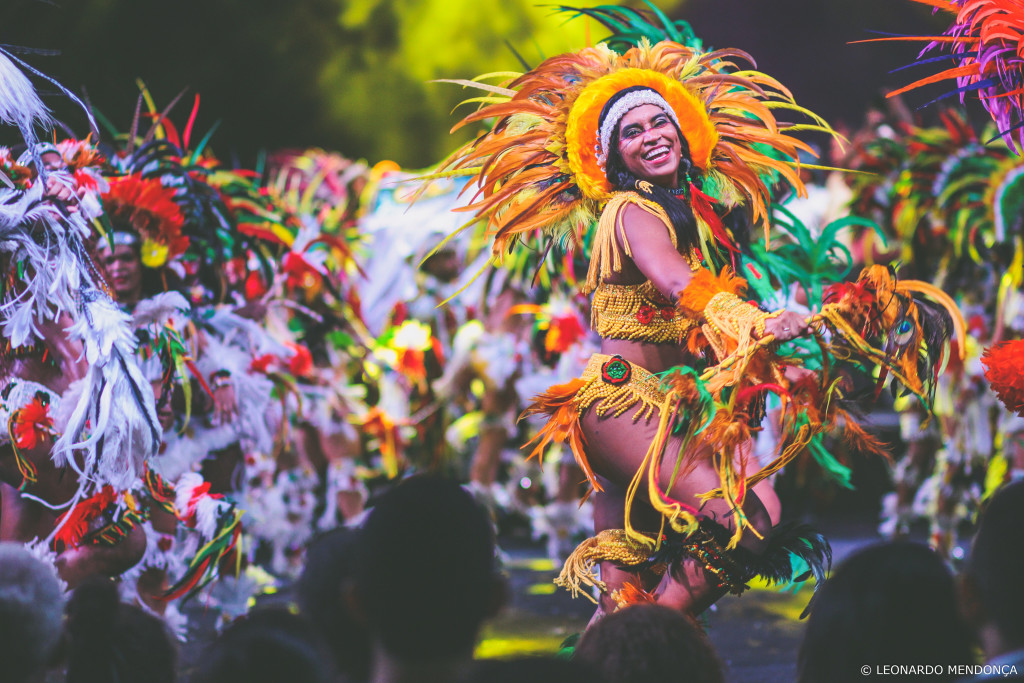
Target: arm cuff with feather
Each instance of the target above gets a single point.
(730, 324)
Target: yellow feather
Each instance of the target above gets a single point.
(474, 84)
(473, 279)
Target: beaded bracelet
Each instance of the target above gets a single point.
(725, 308)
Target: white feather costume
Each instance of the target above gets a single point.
(111, 425)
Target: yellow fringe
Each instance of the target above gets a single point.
(642, 388)
(611, 545)
(671, 513)
(606, 256)
(734, 324)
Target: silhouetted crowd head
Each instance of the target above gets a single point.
(404, 598)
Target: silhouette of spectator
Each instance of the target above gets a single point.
(31, 614)
(111, 641)
(531, 670)
(425, 580)
(268, 645)
(329, 564)
(649, 642)
(992, 585)
(889, 605)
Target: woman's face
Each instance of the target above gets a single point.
(649, 145)
(123, 269)
(164, 412)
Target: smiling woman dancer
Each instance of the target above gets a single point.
(634, 141)
(646, 145)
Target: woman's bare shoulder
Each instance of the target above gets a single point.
(641, 213)
(643, 218)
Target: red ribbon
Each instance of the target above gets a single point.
(703, 206)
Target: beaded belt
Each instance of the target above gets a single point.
(616, 385)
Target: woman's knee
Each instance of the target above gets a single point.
(760, 521)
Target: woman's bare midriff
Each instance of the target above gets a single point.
(654, 358)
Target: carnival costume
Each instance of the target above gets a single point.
(106, 427)
(541, 175)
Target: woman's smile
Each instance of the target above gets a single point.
(657, 155)
(649, 145)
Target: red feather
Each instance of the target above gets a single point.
(563, 332)
(301, 363)
(255, 287)
(32, 422)
(702, 206)
(199, 377)
(191, 121)
(79, 516)
(262, 363)
(748, 392)
(1004, 365)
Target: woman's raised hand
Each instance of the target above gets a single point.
(60, 191)
(787, 325)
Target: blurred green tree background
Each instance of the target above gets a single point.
(352, 75)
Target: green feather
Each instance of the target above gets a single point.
(630, 26)
(836, 470)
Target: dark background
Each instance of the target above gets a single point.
(259, 64)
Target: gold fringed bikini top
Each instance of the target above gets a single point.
(633, 312)
(637, 313)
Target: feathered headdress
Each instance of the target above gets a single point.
(148, 208)
(162, 157)
(539, 167)
(984, 43)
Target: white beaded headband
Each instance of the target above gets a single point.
(630, 100)
(119, 238)
(39, 149)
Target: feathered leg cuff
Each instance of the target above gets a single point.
(795, 553)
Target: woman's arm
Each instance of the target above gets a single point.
(647, 240)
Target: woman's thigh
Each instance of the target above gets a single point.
(617, 448)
